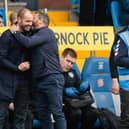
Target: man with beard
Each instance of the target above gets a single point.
(46, 72)
(14, 65)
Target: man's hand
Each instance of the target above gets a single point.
(11, 106)
(24, 66)
(115, 86)
(14, 28)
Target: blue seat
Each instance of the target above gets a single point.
(36, 124)
(76, 68)
(104, 78)
(2, 13)
(77, 3)
(96, 71)
(95, 65)
(102, 93)
(115, 14)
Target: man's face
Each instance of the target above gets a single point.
(36, 20)
(67, 63)
(25, 23)
(1, 22)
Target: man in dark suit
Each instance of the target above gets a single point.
(14, 66)
(46, 71)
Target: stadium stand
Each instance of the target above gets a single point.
(115, 14)
(57, 18)
(61, 18)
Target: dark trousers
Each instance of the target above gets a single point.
(10, 120)
(102, 13)
(48, 100)
(89, 117)
(21, 103)
(73, 117)
(86, 16)
(124, 96)
(80, 118)
(3, 113)
(94, 12)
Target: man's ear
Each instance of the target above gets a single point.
(19, 20)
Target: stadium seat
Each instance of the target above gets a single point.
(115, 14)
(102, 93)
(96, 71)
(2, 12)
(63, 23)
(76, 68)
(94, 65)
(36, 124)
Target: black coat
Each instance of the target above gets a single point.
(72, 79)
(45, 58)
(11, 55)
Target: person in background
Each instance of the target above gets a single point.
(95, 13)
(13, 18)
(14, 74)
(46, 71)
(75, 5)
(1, 21)
(102, 13)
(119, 64)
(85, 116)
(124, 12)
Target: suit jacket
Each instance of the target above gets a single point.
(11, 55)
(45, 58)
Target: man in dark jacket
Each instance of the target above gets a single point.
(67, 60)
(85, 116)
(13, 73)
(46, 72)
(119, 67)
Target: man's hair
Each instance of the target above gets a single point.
(44, 17)
(22, 12)
(69, 51)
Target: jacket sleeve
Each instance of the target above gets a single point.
(121, 56)
(4, 47)
(38, 38)
(112, 65)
